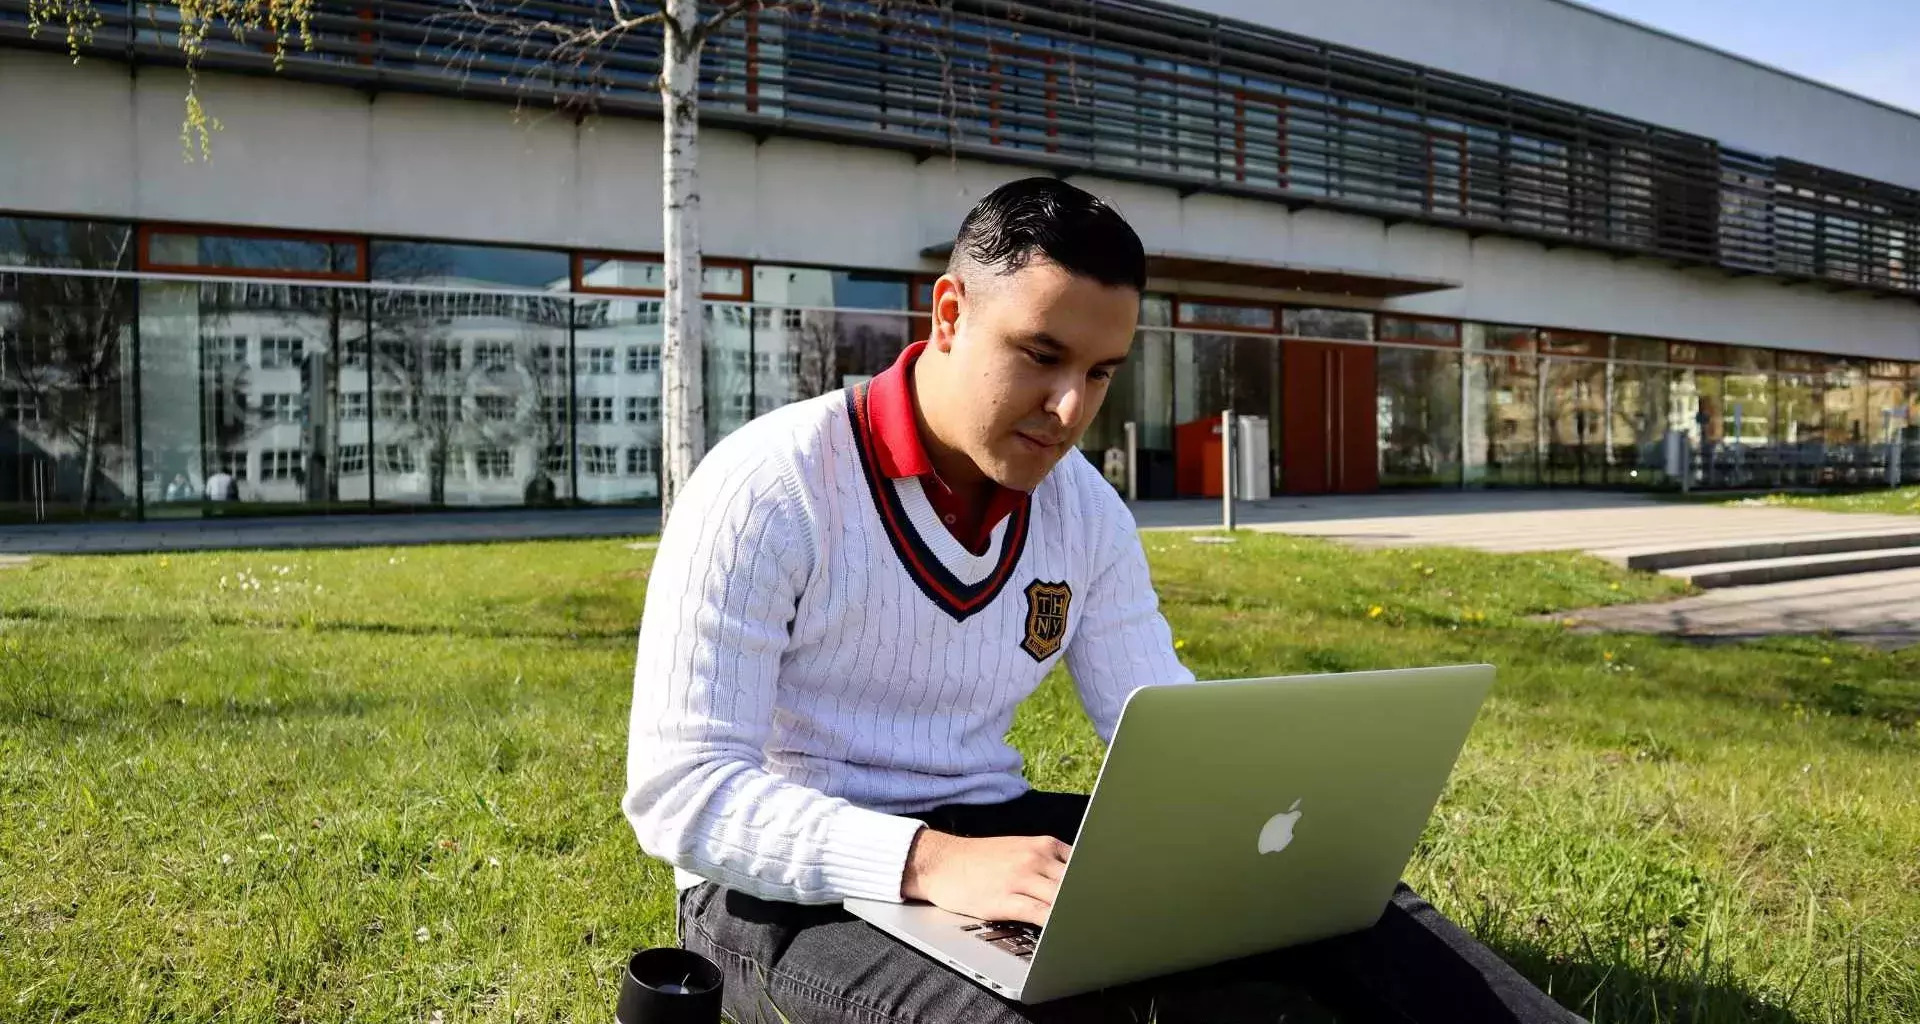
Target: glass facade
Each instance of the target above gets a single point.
(309, 373)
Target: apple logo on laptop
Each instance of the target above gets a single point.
(1278, 831)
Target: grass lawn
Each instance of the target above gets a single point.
(1899, 500)
(382, 785)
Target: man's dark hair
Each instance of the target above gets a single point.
(1052, 220)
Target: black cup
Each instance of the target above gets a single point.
(666, 985)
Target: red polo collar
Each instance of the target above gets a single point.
(900, 453)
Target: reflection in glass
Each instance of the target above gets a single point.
(1747, 455)
(1574, 376)
(66, 386)
(1640, 390)
(470, 389)
(246, 394)
(1139, 393)
(1503, 418)
(1847, 414)
(616, 366)
(214, 252)
(816, 331)
(633, 274)
(1419, 416)
(1419, 402)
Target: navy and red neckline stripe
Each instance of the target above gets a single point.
(959, 599)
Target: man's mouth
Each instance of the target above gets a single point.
(1037, 443)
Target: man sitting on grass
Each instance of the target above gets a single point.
(837, 634)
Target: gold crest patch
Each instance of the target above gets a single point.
(1046, 618)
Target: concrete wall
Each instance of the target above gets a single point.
(301, 156)
(1572, 53)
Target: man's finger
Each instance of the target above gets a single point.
(1021, 907)
(1039, 888)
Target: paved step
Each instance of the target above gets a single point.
(1879, 609)
(1764, 549)
(1754, 572)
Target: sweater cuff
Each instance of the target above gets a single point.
(866, 853)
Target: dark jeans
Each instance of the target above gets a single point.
(821, 965)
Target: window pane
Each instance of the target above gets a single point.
(466, 387)
(43, 242)
(1638, 415)
(1502, 418)
(66, 400)
(1574, 415)
(470, 266)
(216, 252)
(248, 392)
(1424, 332)
(620, 407)
(1419, 416)
(650, 275)
(1217, 314)
(1343, 324)
(1141, 393)
(829, 329)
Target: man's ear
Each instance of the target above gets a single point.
(949, 304)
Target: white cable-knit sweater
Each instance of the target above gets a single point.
(818, 655)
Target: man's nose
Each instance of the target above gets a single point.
(1069, 402)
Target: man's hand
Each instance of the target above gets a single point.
(1012, 878)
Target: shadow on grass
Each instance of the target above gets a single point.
(570, 634)
(1701, 990)
(47, 705)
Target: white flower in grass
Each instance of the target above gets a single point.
(421, 934)
(226, 859)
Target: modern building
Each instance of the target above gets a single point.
(1430, 243)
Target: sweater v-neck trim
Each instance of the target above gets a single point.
(960, 582)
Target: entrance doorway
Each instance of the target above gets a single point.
(1329, 426)
(1329, 442)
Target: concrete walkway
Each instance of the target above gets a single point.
(398, 528)
(1610, 525)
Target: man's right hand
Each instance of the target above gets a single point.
(1010, 878)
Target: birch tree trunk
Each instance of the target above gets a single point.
(683, 402)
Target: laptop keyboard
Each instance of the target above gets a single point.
(1016, 937)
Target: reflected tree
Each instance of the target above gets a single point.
(64, 341)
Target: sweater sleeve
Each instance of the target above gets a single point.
(732, 563)
(1123, 642)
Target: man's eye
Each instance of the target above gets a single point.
(1042, 358)
(1102, 374)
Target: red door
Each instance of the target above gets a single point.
(1329, 442)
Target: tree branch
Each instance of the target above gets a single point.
(706, 29)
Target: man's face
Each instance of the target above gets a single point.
(1030, 357)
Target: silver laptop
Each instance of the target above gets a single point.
(1230, 818)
